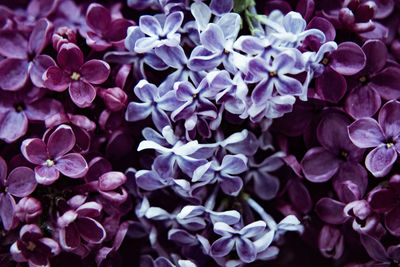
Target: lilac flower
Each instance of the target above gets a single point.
(347, 59)
(382, 135)
(110, 187)
(19, 183)
(195, 105)
(154, 104)
(223, 173)
(217, 43)
(274, 76)
(33, 248)
(105, 31)
(172, 151)
(19, 108)
(372, 82)
(386, 201)
(160, 32)
(266, 185)
(79, 222)
(241, 238)
(76, 75)
(52, 157)
(23, 57)
(319, 164)
(380, 255)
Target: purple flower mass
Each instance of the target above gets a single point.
(197, 133)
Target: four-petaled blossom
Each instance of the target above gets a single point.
(33, 248)
(76, 75)
(245, 247)
(52, 158)
(19, 183)
(383, 135)
(79, 222)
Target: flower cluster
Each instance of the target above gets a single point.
(198, 133)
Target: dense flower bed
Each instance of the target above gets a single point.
(199, 133)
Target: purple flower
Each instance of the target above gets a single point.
(372, 82)
(76, 75)
(19, 108)
(33, 248)
(337, 152)
(19, 183)
(153, 104)
(105, 31)
(160, 32)
(245, 248)
(224, 173)
(331, 242)
(380, 255)
(274, 75)
(28, 209)
(23, 57)
(79, 222)
(52, 157)
(382, 135)
(347, 59)
(387, 201)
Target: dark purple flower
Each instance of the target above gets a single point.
(319, 164)
(114, 98)
(347, 59)
(382, 135)
(76, 75)
(380, 255)
(331, 242)
(110, 187)
(19, 108)
(19, 183)
(372, 82)
(23, 57)
(33, 248)
(386, 200)
(106, 31)
(52, 157)
(79, 222)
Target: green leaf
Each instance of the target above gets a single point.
(241, 5)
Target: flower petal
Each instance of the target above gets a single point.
(319, 165)
(13, 125)
(56, 79)
(380, 160)
(82, 93)
(330, 211)
(98, 18)
(389, 119)
(61, 141)
(362, 101)
(21, 182)
(7, 207)
(34, 150)
(70, 57)
(46, 175)
(366, 132)
(245, 250)
(72, 165)
(348, 59)
(222, 246)
(13, 73)
(95, 71)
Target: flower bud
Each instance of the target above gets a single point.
(62, 36)
(28, 209)
(115, 98)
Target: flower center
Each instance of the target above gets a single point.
(75, 76)
(325, 61)
(19, 107)
(50, 162)
(272, 73)
(344, 154)
(194, 96)
(31, 246)
(362, 79)
(389, 145)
